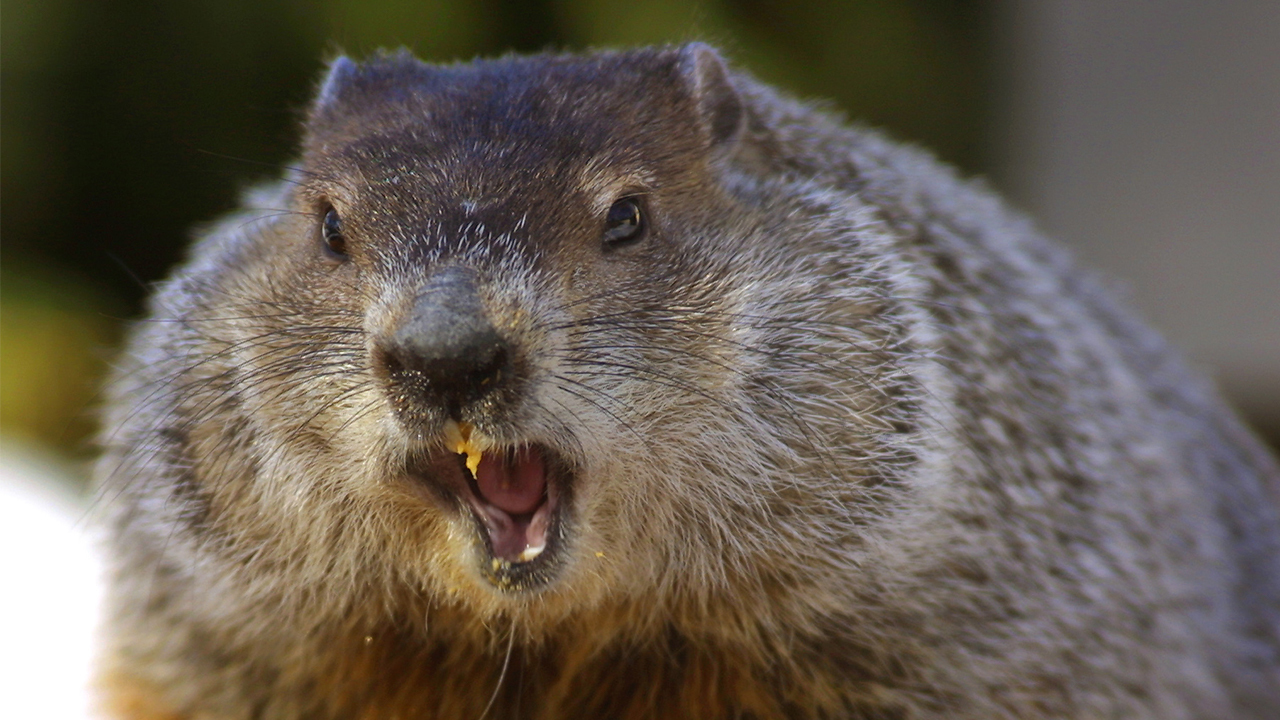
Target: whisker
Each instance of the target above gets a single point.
(502, 675)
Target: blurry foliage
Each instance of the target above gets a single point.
(53, 339)
(127, 122)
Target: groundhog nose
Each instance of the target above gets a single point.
(445, 351)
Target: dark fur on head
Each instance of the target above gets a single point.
(837, 436)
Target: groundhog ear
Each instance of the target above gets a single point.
(351, 89)
(718, 101)
(341, 76)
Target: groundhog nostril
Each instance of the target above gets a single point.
(446, 352)
(461, 368)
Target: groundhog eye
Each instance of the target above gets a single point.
(331, 230)
(624, 224)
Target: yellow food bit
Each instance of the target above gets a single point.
(599, 553)
(463, 439)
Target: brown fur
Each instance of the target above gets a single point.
(841, 437)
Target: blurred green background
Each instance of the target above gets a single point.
(127, 123)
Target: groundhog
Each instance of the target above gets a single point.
(620, 385)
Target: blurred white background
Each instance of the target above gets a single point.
(49, 593)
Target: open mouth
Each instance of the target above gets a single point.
(514, 495)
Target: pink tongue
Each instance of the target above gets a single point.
(515, 482)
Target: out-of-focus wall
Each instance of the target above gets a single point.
(1147, 135)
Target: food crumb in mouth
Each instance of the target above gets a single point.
(464, 439)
